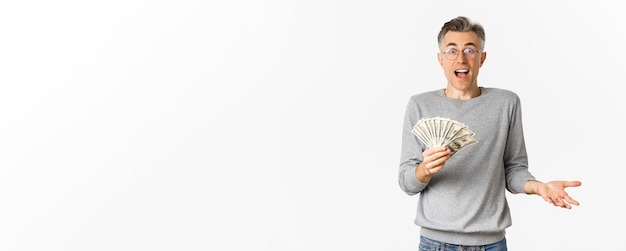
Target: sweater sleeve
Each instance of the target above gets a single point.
(411, 153)
(515, 157)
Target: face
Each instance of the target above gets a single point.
(462, 72)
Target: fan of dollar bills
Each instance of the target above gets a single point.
(438, 131)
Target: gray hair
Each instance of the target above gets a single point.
(462, 24)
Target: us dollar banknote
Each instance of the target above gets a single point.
(437, 131)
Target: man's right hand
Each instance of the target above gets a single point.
(433, 161)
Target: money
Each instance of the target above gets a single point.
(437, 131)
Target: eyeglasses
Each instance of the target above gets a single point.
(452, 54)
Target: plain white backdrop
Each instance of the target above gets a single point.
(275, 125)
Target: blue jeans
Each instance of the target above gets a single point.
(433, 245)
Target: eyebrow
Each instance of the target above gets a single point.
(466, 44)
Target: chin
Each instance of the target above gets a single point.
(461, 86)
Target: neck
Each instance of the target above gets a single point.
(462, 94)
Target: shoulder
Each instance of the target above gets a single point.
(502, 94)
(425, 96)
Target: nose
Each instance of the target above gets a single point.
(461, 57)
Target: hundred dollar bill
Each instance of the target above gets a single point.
(460, 143)
(437, 131)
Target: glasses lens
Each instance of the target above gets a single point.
(469, 53)
(451, 54)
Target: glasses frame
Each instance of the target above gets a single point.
(469, 55)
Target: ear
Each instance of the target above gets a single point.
(483, 56)
(440, 58)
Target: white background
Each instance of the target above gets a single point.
(275, 125)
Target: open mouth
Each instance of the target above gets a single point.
(461, 72)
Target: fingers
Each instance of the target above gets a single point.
(434, 150)
(564, 202)
(559, 202)
(571, 201)
(572, 183)
(554, 192)
(434, 159)
(438, 161)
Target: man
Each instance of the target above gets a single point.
(462, 201)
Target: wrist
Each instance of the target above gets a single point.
(532, 187)
(422, 174)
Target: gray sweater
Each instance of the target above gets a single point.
(465, 202)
